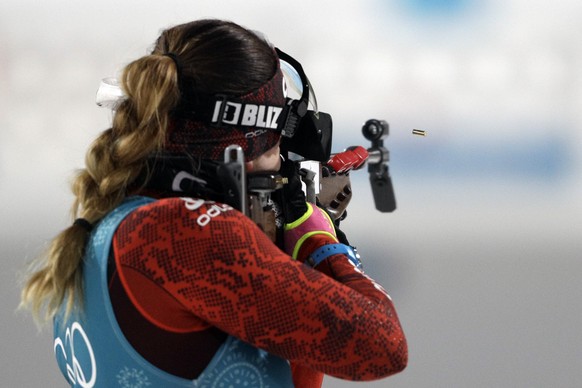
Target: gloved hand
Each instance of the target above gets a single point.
(314, 228)
(309, 233)
(293, 201)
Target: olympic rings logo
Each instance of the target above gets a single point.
(76, 336)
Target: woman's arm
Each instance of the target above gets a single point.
(224, 271)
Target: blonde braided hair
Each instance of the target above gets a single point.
(113, 162)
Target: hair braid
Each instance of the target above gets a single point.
(113, 162)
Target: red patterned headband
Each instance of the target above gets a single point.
(207, 126)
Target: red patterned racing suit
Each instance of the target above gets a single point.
(186, 273)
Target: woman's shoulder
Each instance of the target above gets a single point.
(182, 218)
(186, 203)
(187, 209)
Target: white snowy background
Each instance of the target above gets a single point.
(482, 256)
